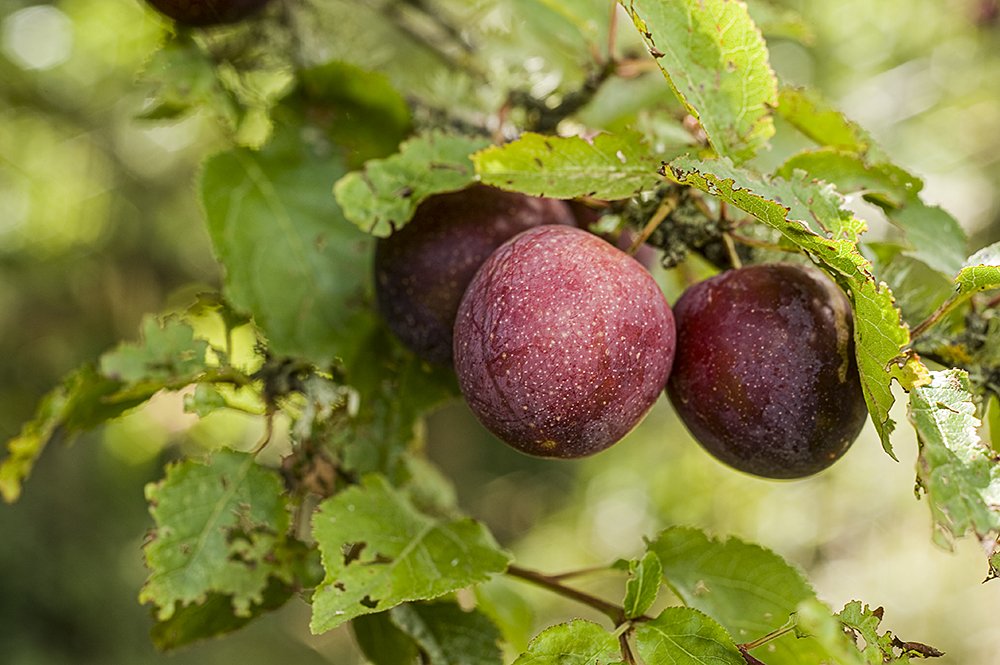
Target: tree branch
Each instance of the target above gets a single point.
(614, 612)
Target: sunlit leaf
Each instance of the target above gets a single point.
(814, 619)
(611, 166)
(168, 351)
(956, 470)
(716, 61)
(981, 271)
(384, 196)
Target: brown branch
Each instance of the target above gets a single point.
(614, 612)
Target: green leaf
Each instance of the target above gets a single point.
(864, 623)
(290, 257)
(820, 121)
(850, 172)
(84, 399)
(716, 61)
(814, 619)
(611, 166)
(382, 642)
(448, 635)
(361, 110)
(918, 289)
(577, 642)
(746, 588)
(184, 79)
(168, 352)
(384, 196)
(956, 470)
(932, 235)
(378, 552)
(684, 636)
(205, 399)
(981, 271)
(215, 616)
(220, 528)
(643, 585)
(810, 215)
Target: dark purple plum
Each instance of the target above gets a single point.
(765, 377)
(422, 270)
(562, 343)
(202, 13)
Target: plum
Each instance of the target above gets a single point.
(562, 343)
(765, 377)
(201, 13)
(422, 270)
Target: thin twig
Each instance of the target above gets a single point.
(667, 206)
(754, 242)
(570, 574)
(943, 309)
(734, 257)
(612, 30)
(614, 612)
(788, 627)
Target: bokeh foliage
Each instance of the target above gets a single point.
(101, 225)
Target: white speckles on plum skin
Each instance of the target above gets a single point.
(562, 343)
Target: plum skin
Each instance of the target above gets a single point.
(202, 13)
(562, 343)
(765, 376)
(423, 269)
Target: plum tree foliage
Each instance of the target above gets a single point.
(379, 153)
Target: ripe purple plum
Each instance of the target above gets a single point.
(562, 343)
(422, 270)
(765, 377)
(202, 13)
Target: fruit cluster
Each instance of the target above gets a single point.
(562, 342)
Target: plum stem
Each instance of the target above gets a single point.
(754, 242)
(734, 257)
(667, 206)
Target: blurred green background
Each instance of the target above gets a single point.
(99, 224)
